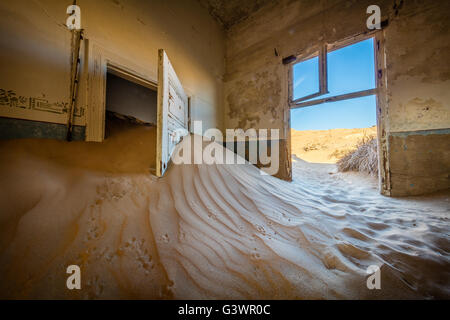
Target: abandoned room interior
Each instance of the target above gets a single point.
(340, 130)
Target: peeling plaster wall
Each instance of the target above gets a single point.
(35, 53)
(417, 54)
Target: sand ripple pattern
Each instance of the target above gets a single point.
(214, 232)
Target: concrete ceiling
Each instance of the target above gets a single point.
(230, 12)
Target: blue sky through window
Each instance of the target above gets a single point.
(306, 78)
(350, 69)
(352, 113)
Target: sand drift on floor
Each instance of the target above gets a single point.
(206, 231)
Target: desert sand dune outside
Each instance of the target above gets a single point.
(327, 146)
(206, 231)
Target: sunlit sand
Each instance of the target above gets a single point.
(206, 231)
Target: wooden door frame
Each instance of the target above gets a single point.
(101, 61)
(384, 180)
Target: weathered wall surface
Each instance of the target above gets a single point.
(418, 77)
(11, 128)
(35, 57)
(417, 54)
(35, 53)
(419, 161)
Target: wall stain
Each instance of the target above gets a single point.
(248, 99)
(118, 3)
(414, 55)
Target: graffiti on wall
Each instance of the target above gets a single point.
(11, 99)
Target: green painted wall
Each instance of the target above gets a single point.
(22, 129)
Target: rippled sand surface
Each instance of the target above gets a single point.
(207, 231)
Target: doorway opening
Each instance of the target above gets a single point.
(131, 115)
(333, 100)
(119, 98)
(128, 104)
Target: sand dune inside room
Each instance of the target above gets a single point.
(206, 231)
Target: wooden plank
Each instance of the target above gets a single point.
(75, 79)
(300, 100)
(384, 171)
(95, 117)
(352, 40)
(341, 97)
(129, 75)
(323, 70)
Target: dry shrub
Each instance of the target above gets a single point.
(339, 153)
(363, 159)
(312, 147)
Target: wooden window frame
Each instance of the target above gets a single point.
(380, 91)
(323, 76)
